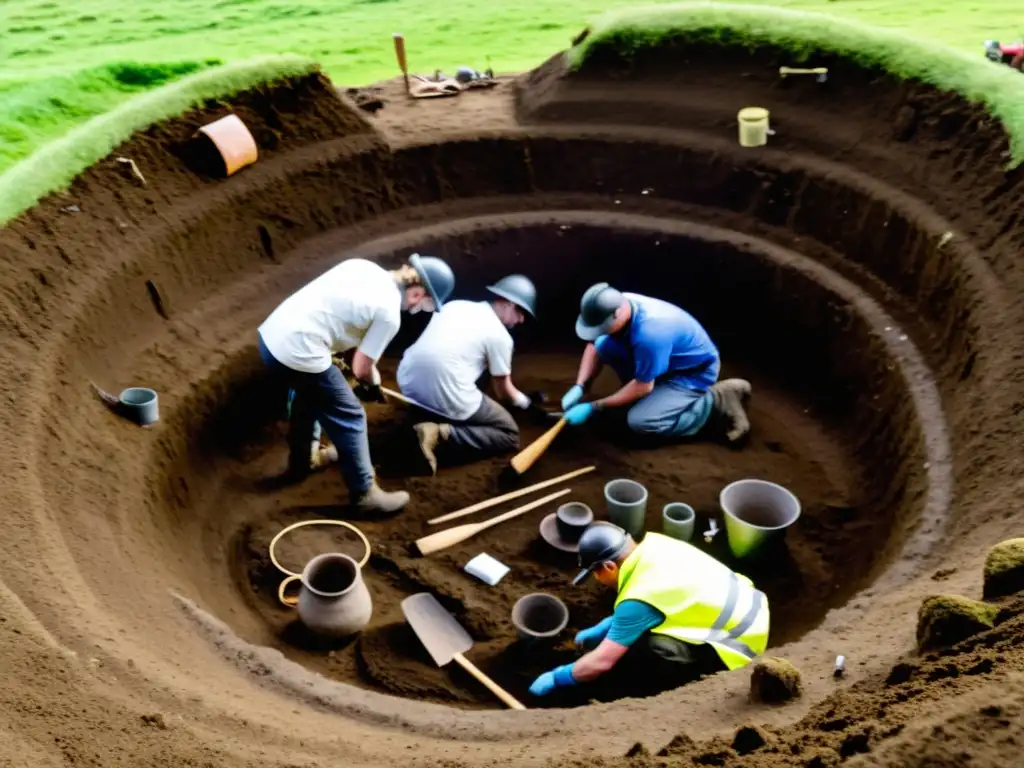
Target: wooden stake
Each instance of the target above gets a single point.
(509, 496)
(400, 55)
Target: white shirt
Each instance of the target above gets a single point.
(441, 369)
(355, 304)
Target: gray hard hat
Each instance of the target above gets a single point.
(437, 277)
(518, 289)
(597, 311)
(600, 542)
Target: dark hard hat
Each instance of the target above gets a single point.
(437, 277)
(600, 542)
(597, 311)
(518, 289)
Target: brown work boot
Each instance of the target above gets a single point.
(429, 436)
(377, 501)
(730, 395)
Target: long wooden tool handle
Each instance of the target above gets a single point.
(400, 55)
(409, 401)
(450, 536)
(492, 686)
(798, 71)
(509, 496)
(525, 459)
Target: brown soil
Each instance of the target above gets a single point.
(138, 617)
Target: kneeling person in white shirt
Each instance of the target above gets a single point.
(440, 371)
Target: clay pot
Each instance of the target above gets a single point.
(334, 600)
(539, 616)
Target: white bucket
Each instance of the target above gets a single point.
(756, 511)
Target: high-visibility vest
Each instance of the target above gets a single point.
(703, 600)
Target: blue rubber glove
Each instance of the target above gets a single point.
(573, 396)
(579, 413)
(559, 677)
(590, 637)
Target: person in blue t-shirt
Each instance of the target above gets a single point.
(667, 362)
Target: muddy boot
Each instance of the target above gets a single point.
(323, 455)
(376, 501)
(429, 436)
(730, 395)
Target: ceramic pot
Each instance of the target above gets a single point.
(572, 519)
(677, 520)
(627, 505)
(334, 600)
(756, 511)
(539, 616)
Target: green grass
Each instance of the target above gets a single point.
(54, 168)
(67, 62)
(805, 33)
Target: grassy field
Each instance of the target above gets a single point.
(65, 62)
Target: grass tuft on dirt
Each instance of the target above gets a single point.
(807, 34)
(54, 167)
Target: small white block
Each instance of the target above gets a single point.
(487, 569)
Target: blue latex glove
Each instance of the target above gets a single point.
(590, 637)
(559, 677)
(579, 413)
(573, 396)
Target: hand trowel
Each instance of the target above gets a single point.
(446, 640)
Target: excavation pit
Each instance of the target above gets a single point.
(818, 416)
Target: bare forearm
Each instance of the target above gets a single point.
(590, 366)
(363, 368)
(598, 661)
(630, 393)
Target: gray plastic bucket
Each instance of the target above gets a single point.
(756, 511)
(627, 505)
(140, 404)
(678, 520)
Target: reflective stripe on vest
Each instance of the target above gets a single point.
(730, 639)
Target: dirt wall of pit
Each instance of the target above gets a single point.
(102, 283)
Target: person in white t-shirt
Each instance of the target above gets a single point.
(440, 371)
(355, 305)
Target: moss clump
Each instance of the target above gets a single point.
(804, 35)
(774, 680)
(1004, 569)
(945, 620)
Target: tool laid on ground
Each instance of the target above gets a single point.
(451, 536)
(526, 458)
(821, 72)
(446, 640)
(1010, 54)
(510, 495)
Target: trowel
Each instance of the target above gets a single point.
(446, 640)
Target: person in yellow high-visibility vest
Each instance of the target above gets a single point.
(676, 604)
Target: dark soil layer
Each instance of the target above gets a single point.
(163, 285)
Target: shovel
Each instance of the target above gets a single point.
(446, 640)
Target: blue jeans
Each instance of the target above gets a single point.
(672, 410)
(325, 397)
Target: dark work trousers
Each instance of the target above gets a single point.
(490, 430)
(326, 397)
(657, 663)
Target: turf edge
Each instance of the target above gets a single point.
(805, 34)
(55, 165)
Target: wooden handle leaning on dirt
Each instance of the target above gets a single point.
(400, 55)
(492, 686)
(450, 536)
(525, 459)
(509, 496)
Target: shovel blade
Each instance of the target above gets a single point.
(440, 633)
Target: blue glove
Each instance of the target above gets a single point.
(590, 637)
(579, 413)
(559, 677)
(573, 396)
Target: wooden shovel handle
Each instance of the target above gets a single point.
(492, 686)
